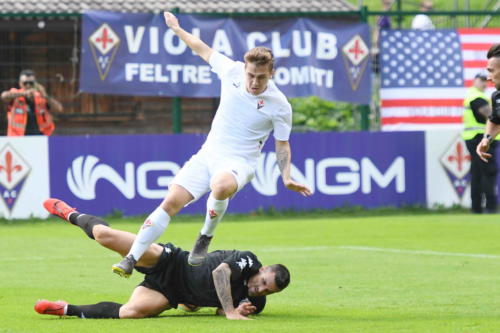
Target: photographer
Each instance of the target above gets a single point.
(28, 107)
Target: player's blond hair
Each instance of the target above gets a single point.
(260, 56)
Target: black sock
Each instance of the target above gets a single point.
(99, 310)
(73, 217)
(86, 222)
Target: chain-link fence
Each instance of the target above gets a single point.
(50, 45)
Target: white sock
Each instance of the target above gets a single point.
(151, 230)
(215, 212)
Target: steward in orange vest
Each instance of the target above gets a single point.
(17, 113)
(27, 111)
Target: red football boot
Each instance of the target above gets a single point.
(58, 208)
(53, 308)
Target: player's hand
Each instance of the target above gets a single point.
(171, 21)
(294, 186)
(246, 308)
(482, 149)
(235, 315)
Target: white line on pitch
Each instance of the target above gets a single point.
(420, 252)
(293, 248)
(108, 255)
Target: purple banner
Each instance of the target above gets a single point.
(99, 174)
(136, 54)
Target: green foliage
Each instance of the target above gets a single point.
(315, 114)
(349, 211)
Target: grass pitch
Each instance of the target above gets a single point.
(420, 273)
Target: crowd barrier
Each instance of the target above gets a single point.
(130, 174)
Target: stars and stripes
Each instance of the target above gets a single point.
(425, 75)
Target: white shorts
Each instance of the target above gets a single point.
(195, 176)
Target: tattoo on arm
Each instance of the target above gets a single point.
(283, 160)
(222, 284)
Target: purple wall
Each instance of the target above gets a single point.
(129, 173)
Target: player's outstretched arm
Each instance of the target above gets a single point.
(222, 282)
(490, 134)
(283, 158)
(194, 43)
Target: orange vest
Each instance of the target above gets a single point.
(17, 114)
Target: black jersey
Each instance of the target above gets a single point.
(495, 107)
(197, 283)
(183, 283)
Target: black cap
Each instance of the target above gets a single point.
(481, 76)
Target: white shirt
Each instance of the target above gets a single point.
(244, 121)
(422, 22)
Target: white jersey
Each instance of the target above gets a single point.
(244, 121)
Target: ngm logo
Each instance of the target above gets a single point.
(350, 176)
(86, 171)
(354, 175)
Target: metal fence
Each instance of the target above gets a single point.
(50, 45)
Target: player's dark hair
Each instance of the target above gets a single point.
(281, 277)
(27, 72)
(260, 56)
(494, 51)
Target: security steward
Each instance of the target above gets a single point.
(28, 107)
(483, 175)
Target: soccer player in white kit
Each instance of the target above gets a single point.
(251, 106)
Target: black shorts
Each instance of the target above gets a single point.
(163, 277)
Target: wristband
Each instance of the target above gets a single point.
(488, 137)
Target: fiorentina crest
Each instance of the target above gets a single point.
(13, 173)
(104, 43)
(356, 56)
(456, 162)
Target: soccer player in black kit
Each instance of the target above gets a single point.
(233, 281)
(493, 123)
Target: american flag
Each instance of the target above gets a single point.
(425, 75)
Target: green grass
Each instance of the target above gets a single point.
(341, 280)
